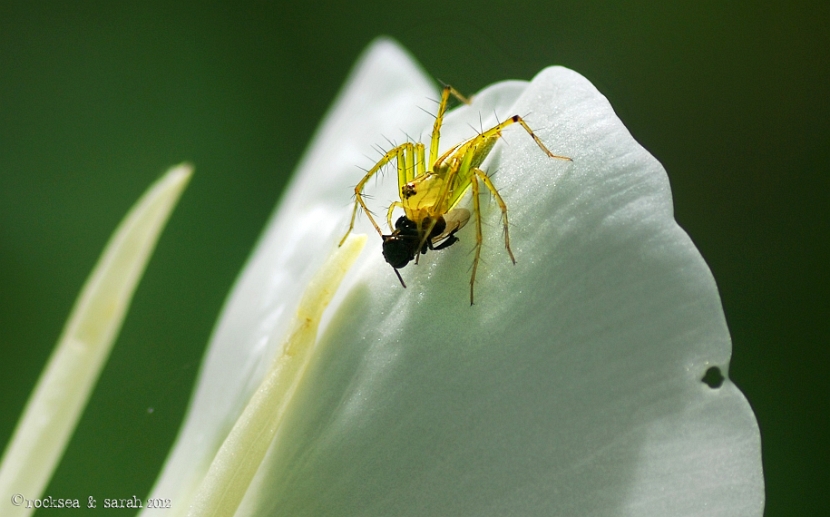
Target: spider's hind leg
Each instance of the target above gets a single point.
(481, 175)
(496, 130)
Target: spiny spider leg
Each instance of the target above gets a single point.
(439, 119)
(397, 153)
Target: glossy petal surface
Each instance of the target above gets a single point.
(572, 387)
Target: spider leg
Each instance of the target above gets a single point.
(425, 231)
(397, 153)
(412, 166)
(439, 119)
(479, 239)
(496, 130)
(466, 157)
(480, 174)
(420, 161)
(392, 207)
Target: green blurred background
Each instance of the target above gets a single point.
(97, 99)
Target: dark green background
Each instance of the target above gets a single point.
(96, 101)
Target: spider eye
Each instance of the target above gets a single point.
(397, 251)
(407, 191)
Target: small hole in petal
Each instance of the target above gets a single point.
(713, 378)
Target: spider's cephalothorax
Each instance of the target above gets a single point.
(428, 198)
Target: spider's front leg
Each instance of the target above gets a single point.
(439, 119)
(399, 153)
(392, 207)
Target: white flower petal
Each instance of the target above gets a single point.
(573, 387)
(382, 96)
(62, 392)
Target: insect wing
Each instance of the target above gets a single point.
(455, 219)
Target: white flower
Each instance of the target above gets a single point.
(572, 387)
